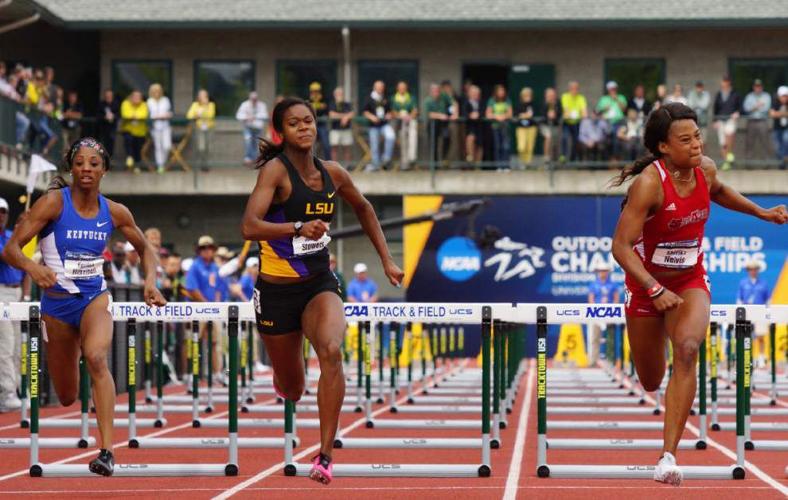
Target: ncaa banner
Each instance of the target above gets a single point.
(545, 249)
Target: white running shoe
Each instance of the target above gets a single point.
(9, 402)
(667, 471)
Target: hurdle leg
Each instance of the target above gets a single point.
(497, 356)
(393, 334)
(485, 468)
(131, 346)
(773, 362)
(159, 374)
(747, 384)
(210, 350)
(742, 377)
(364, 331)
(147, 366)
(24, 420)
(84, 400)
(701, 443)
(715, 424)
(542, 469)
(379, 342)
(409, 337)
(195, 366)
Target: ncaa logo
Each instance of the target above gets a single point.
(459, 259)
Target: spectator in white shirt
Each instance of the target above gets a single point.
(699, 100)
(676, 96)
(253, 114)
(160, 112)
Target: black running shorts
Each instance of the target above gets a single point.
(278, 307)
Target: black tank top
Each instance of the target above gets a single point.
(296, 257)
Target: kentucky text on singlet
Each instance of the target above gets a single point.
(298, 256)
(672, 237)
(72, 247)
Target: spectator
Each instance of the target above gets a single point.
(117, 266)
(341, 135)
(332, 265)
(377, 110)
(160, 112)
(253, 114)
(321, 112)
(756, 106)
(436, 108)
(10, 291)
(134, 274)
(700, 100)
(248, 279)
(72, 114)
(134, 125)
(526, 127)
(754, 290)
(727, 105)
(779, 113)
(472, 113)
(227, 278)
(453, 110)
(676, 96)
(203, 112)
(551, 126)
(574, 107)
(361, 288)
(592, 137)
(38, 98)
(173, 279)
(203, 285)
(601, 291)
(404, 108)
(8, 90)
(630, 135)
(49, 78)
(611, 107)
(639, 103)
(107, 120)
(662, 95)
(499, 109)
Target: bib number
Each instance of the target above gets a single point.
(80, 266)
(677, 254)
(305, 246)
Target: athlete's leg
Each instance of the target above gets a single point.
(686, 325)
(96, 337)
(287, 361)
(647, 345)
(62, 351)
(324, 325)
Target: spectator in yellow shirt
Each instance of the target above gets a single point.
(134, 125)
(203, 112)
(575, 108)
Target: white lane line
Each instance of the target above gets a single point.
(766, 478)
(515, 465)
(123, 444)
(277, 467)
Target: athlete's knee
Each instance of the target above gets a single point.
(651, 384)
(329, 353)
(686, 351)
(67, 397)
(96, 362)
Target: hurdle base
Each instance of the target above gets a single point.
(396, 470)
(258, 423)
(636, 471)
(763, 444)
(212, 442)
(75, 423)
(136, 470)
(415, 443)
(63, 443)
(425, 424)
(616, 444)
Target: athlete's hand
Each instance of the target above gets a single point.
(43, 276)
(314, 229)
(153, 296)
(668, 300)
(393, 273)
(777, 214)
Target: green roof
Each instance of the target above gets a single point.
(466, 14)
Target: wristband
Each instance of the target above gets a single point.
(655, 291)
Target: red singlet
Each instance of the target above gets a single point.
(672, 240)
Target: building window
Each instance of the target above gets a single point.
(293, 77)
(140, 75)
(228, 83)
(773, 73)
(390, 72)
(628, 73)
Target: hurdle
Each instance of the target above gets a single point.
(132, 312)
(467, 314)
(631, 471)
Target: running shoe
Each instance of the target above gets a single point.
(667, 471)
(104, 464)
(322, 469)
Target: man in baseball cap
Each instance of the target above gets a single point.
(361, 288)
(10, 291)
(755, 290)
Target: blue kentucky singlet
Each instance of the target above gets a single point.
(72, 247)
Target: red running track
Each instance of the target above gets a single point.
(513, 466)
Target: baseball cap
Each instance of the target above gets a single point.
(611, 85)
(223, 252)
(252, 262)
(360, 268)
(315, 86)
(604, 266)
(757, 81)
(205, 241)
(3, 203)
(783, 90)
(754, 264)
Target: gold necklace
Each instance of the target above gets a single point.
(677, 176)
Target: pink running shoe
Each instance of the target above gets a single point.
(279, 393)
(322, 469)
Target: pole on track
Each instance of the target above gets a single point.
(210, 351)
(290, 468)
(381, 327)
(147, 367)
(131, 346)
(748, 444)
(195, 367)
(713, 329)
(393, 334)
(485, 468)
(84, 399)
(424, 340)
(542, 469)
(365, 331)
(409, 337)
(232, 331)
(497, 332)
(159, 374)
(359, 368)
(24, 420)
(701, 443)
(741, 379)
(435, 354)
(35, 346)
(773, 360)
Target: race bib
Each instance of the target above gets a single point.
(305, 246)
(78, 266)
(677, 254)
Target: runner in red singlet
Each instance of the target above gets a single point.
(658, 243)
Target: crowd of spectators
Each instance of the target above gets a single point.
(460, 128)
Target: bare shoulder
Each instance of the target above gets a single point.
(272, 171)
(337, 172)
(709, 168)
(50, 205)
(120, 213)
(646, 189)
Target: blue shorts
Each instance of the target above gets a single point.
(69, 309)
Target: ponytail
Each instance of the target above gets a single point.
(267, 149)
(656, 131)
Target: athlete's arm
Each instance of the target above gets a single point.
(253, 227)
(367, 217)
(124, 222)
(643, 197)
(726, 196)
(45, 209)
